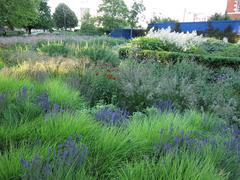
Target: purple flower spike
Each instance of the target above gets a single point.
(25, 163)
(111, 116)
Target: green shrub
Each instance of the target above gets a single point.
(156, 44)
(99, 54)
(172, 57)
(138, 87)
(99, 84)
(146, 43)
(98, 50)
(55, 49)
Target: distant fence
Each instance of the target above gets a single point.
(127, 33)
(199, 26)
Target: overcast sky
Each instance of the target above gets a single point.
(165, 8)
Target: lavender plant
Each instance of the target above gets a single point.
(165, 106)
(65, 161)
(188, 141)
(43, 102)
(113, 117)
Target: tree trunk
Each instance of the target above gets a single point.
(131, 32)
(29, 30)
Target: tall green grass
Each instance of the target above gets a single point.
(113, 151)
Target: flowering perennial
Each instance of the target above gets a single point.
(184, 41)
(69, 156)
(111, 116)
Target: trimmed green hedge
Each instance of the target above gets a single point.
(172, 57)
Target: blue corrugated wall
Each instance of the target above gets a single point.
(200, 26)
(121, 33)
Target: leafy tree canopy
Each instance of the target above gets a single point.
(136, 9)
(88, 24)
(18, 13)
(114, 14)
(64, 17)
(44, 20)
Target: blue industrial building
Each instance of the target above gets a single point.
(183, 26)
(200, 26)
(127, 33)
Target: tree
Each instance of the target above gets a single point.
(18, 13)
(64, 17)
(136, 9)
(158, 19)
(114, 14)
(219, 17)
(44, 20)
(88, 24)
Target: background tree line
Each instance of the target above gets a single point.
(36, 14)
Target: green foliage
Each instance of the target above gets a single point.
(219, 17)
(88, 25)
(147, 43)
(60, 93)
(64, 17)
(100, 55)
(1, 64)
(214, 61)
(15, 106)
(99, 84)
(181, 166)
(44, 17)
(55, 49)
(15, 13)
(204, 102)
(97, 50)
(228, 33)
(114, 14)
(157, 19)
(137, 86)
(110, 147)
(136, 9)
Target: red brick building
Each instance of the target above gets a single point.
(233, 9)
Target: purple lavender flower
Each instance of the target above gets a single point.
(56, 108)
(2, 98)
(22, 93)
(69, 156)
(43, 101)
(168, 147)
(165, 106)
(25, 163)
(222, 77)
(111, 116)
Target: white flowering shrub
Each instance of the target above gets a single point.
(184, 41)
